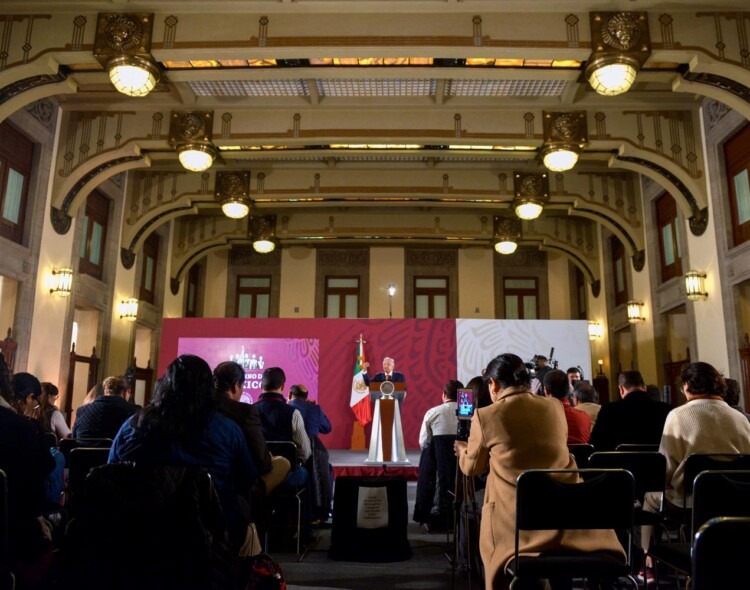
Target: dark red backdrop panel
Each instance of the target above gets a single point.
(424, 350)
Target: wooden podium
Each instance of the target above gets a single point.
(387, 437)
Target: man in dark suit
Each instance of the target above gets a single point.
(635, 419)
(388, 374)
(229, 378)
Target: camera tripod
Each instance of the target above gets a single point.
(466, 518)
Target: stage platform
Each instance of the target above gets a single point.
(346, 462)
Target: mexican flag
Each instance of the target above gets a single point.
(360, 400)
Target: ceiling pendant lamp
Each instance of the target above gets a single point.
(261, 230)
(565, 136)
(190, 134)
(531, 194)
(507, 233)
(123, 46)
(621, 45)
(232, 192)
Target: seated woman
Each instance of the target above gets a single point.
(50, 418)
(519, 431)
(181, 427)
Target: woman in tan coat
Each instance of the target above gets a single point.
(519, 431)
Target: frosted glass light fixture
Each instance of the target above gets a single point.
(61, 282)
(612, 75)
(635, 311)
(695, 288)
(528, 209)
(128, 309)
(196, 157)
(596, 330)
(132, 75)
(264, 246)
(506, 246)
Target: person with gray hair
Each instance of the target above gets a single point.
(585, 398)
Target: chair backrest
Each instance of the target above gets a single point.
(286, 449)
(50, 440)
(82, 461)
(4, 548)
(720, 552)
(720, 493)
(581, 454)
(68, 444)
(697, 462)
(637, 448)
(649, 469)
(606, 498)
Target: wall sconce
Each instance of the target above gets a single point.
(507, 233)
(531, 193)
(190, 133)
(565, 135)
(61, 282)
(261, 230)
(128, 309)
(635, 311)
(596, 330)
(695, 286)
(391, 293)
(232, 190)
(621, 45)
(600, 362)
(122, 45)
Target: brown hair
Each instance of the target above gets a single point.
(115, 386)
(703, 379)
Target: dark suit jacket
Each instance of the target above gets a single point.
(396, 377)
(246, 416)
(316, 422)
(636, 419)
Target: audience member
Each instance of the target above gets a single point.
(705, 424)
(27, 391)
(542, 368)
(319, 464)
(733, 396)
(585, 398)
(579, 424)
(523, 431)
(654, 393)
(103, 417)
(27, 464)
(635, 419)
(229, 378)
(441, 419)
(181, 427)
(50, 418)
(281, 422)
(95, 392)
(481, 391)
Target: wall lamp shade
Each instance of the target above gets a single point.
(133, 75)
(635, 311)
(530, 194)
(235, 208)
(528, 209)
(197, 157)
(264, 245)
(695, 286)
(559, 159)
(596, 330)
(391, 290)
(129, 309)
(61, 282)
(612, 75)
(506, 247)
(231, 191)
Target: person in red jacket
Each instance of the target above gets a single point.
(579, 424)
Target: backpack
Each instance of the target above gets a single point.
(263, 573)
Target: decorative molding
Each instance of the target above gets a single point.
(127, 257)
(60, 220)
(26, 84)
(246, 256)
(44, 111)
(261, 226)
(699, 222)
(344, 258)
(174, 285)
(445, 258)
(596, 288)
(625, 234)
(639, 260)
(714, 111)
(522, 257)
(123, 34)
(721, 83)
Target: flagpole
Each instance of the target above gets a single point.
(358, 431)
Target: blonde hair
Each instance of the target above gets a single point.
(115, 386)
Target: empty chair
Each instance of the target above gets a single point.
(607, 495)
(720, 551)
(68, 444)
(581, 454)
(82, 460)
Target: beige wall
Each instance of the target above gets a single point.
(174, 305)
(217, 265)
(297, 282)
(8, 294)
(597, 312)
(559, 286)
(476, 299)
(644, 331)
(386, 268)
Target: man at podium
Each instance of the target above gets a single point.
(388, 374)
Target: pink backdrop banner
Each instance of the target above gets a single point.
(424, 350)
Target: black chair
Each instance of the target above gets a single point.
(581, 453)
(720, 551)
(82, 460)
(698, 462)
(607, 495)
(50, 440)
(7, 579)
(635, 448)
(715, 494)
(436, 483)
(68, 444)
(278, 500)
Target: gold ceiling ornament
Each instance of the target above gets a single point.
(530, 194)
(565, 136)
(507, 233)
(262, 231)
(621, 45)
(123, 46)
(190, 133)
(232, 191)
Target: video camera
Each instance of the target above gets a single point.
(534, 364)
(464, 412)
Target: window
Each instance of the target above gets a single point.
(16, 155)
(618, 270)
(253, 297)
(148, 272)
(737, 155)
(669, 237)
(94, 235)
(431, 297)
(580, 294)
(191, 296)
(342, 297)
(521, 298)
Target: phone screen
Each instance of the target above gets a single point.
(465, 404)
